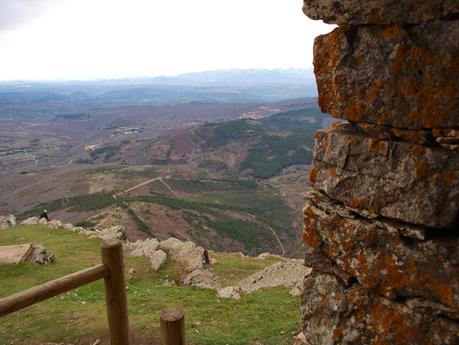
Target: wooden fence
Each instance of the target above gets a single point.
(111, 270)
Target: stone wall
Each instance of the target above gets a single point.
(382, 223)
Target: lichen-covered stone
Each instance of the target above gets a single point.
(289, 273)
(203, 279)
(378, 254)
(416, 184)
(7, 221)
(415, 136)
(357, 12)
(399, 76)
(335, 314)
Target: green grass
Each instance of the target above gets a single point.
(264, 203)
(210, 205)
(278, 141)
(270, 316)
(251, 235)
(230, 268)
(107, 151)
(79, 203)
(139, 223)
(275, 153)
(197, 186)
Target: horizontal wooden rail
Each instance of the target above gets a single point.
(111, 270)
(53, 288)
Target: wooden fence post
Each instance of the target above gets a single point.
(172, 322)
(115, 292)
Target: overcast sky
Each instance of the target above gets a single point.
(90, 39)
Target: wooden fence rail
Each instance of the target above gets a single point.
(111, 270)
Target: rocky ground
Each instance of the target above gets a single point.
(193, 270)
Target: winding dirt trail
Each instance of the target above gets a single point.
(157, 178)
(168, 187)
(160, 179)
(281, 245)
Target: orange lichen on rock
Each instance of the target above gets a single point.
(392, 321)
(449, 176)
(313, 175)
(382, 219)
(310, 235)
(378, 75)
(390, 32)
(333, 171)
(378, 147)
(358, 203)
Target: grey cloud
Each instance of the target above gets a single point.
(14, 13)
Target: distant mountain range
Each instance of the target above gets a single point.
(48, 98)
(241, 77)
(216, 77)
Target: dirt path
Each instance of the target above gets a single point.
(168, 187)
(157, 178)
(297, 251)
(279, 242)
(281, 245)
(202, 181)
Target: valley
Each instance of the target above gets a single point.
(223, 174)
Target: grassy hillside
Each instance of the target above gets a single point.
(215, 187)
(253, 147)
(269, 316)
(240, 210)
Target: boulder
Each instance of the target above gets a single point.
(335, 314)
(299, 339)
(40, 255)
(357, 12)
(117, 232)
(229, 292)
(172, 245)
(55, 224)
(187, 254)
(268, 255)
(146, 247)
(296, 291)
(168, 282)
(15, 254)
(289, 273)
(157, 259)
(203, 279)
(7, 221)
(394, 259)
(416, 184)
(30, 221)
(68, 226)
(399, 76)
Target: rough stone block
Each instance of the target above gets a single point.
(356, 12)
(335, 314)
(416, 184)
(396, 260)
(399, 76)
(7, 221)
(15, 254)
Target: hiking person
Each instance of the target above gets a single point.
(205, 257)
(44, 215)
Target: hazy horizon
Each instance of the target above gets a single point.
(298, 70)
(83, 40)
